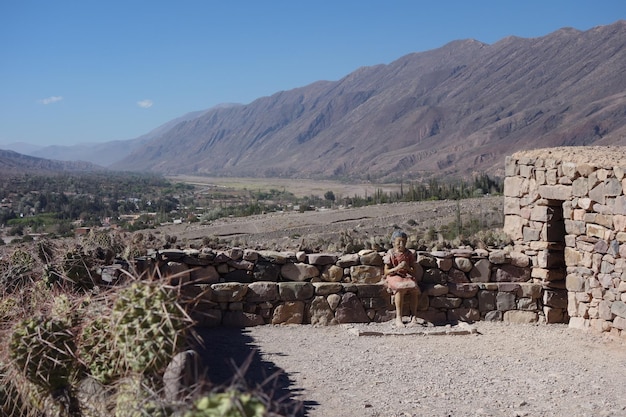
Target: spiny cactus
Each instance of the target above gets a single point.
(135, 398)
(11, 403)
(96, 350)
(232, 403)
(148, 326)
(43, 349)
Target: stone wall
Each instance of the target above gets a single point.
(566, 208)
(242, 287)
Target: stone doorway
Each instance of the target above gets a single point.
(552, 259)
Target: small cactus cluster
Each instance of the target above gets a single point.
(148, 326)
(231, 403)
(44, 350)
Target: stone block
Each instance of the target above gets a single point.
(299, 271)
(348, 260)
(520, 317)
(445, 302)
(462, 290)
(619, 205)
(366, 274)
(578, 323)
(493, 316)
(332, 273)
(351, 310)
(266, 271)
(619, 323)
(293, 291)
(505, 301)
(262, 291)
(555, 192)
(321, 259)
(515, 186)
(481, 272)
(510, 273)
(228, 292)
(371, 258)
(320, 313)
(289, 312)
(204, 275)
(486, 301)
(619, 309)
(529, 290)
(580, 187)
(326, 288)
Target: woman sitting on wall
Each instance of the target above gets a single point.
(401, 274)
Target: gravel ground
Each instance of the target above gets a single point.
(497, 369)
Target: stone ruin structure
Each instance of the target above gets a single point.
(566, 209)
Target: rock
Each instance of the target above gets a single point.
(204, 275)
(321, 259)
(299, 271)
(505, 301)
(463, 264)
(266, 271)
(372, 258)
(350, 310)
(262, 291)
(228, 292)
(320, 312)
(326, 288)
(520, 317)
(332, 273)
(182, 375)
(292, 291)
(481, 271)
(366, 274)
(290, 312)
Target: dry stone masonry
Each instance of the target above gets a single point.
(566, 209)
(241, 287)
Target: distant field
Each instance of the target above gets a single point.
(299, 187)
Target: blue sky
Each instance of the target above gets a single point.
(92, 71)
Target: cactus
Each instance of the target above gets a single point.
(232, 403)
(135, 398)
(148, 326)
(11, 403)
(96, 350)
(43, 349)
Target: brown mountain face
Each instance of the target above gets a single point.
(454, 110)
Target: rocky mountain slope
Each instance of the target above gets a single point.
(16, 163)
(453, 110)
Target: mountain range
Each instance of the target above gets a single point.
(455, 110)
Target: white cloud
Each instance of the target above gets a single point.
(145, 104)
(50, 100)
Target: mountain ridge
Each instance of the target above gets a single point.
(451, 111)
(454, 110)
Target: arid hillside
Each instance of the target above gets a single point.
(450, 111)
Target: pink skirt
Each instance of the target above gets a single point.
(396, 282)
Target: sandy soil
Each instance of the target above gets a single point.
(498, 370)
(293, 230)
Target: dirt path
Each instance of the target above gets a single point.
(502, 370)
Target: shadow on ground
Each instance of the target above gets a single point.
(230, 356)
